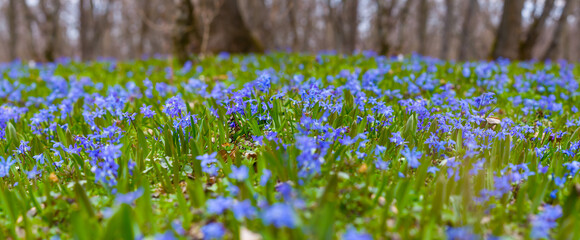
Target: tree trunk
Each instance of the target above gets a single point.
(83, 30)
(382, 35)
(447, 29)
(12, 31)
(384, 24)
(553, 50)
(51, 16)
(183, 29)
(30, 20)
(229, 32)
(423, 16)
(507, 38)
(333, 30)
(402, 24)
(350, 20)
(308, 26)
(527, 46)
(465, 40)
(144, 29)
(292, 6)
(260, 18)
(92, 27)
(100, 24)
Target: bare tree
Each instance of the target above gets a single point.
(466, 29)
(83, 30)
(230, 33)
(144, 28)
(527, 46)
(261, 18)
(30, 20)
(160, 26)
(309, 11)
(342, 19)
(126, 29)
(101, 23)
(333, 28)
(350, 16)
(183, 29)
(447, 29)
(292, 6)
(384, 23)
(402, 24)
(208, 13)
(51, 11)
(392, 18)
(422, 18)
(553, 49)
(508, 34)
(92, 25)
(12, 31)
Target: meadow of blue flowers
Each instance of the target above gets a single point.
(290, 146)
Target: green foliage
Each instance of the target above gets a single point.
(349, 189)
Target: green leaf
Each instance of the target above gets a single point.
(120, 225)
(84, 202)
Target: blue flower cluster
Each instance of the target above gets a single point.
(382, 144)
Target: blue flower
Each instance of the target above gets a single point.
(309, 160)
(353, 234)
(484, 100)
(559, 181)
(347, 140)
(397, 139)
(502, 186)
(167, 235)
(213, 230)
(39, 158)
(465, 71)
(174, 107)
(381, 165)
(239, 173)
(209, 163)
(412, 157)
(128, 198)
(285, 189)
(477, 166)
(23, 148)
(379, 150)
(147, 112)
(435, 143)
(233, 189)
(432, 170)
(452, 168)
(553, 193)
(218, 205)
(243, 210)
(461, 233)
(279, 215)
(263, 82)
(545, 221)
(33, 173)
(207, 157)
(542, 169)
(110, 152)
(266, 174)
(573, 167)
(5, 165)
(178, 227)
(259, 140)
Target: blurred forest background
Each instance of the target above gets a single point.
(44, 30)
